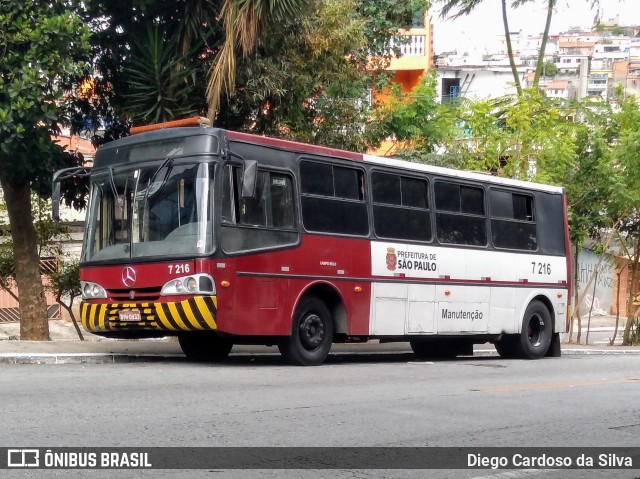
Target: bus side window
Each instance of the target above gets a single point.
(513, 224)
(263, 221)
(333, 199)
(460, 214)
(400, 207)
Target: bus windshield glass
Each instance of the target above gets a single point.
(158, 210)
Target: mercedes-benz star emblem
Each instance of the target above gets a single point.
(128, 276)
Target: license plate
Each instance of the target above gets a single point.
(129, 316)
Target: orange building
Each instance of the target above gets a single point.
(415, 60)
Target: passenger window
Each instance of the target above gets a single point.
(400, 207)
(333, 199)
(460, 214)
(513, 221)
(266, 220)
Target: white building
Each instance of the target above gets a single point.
(476, 82)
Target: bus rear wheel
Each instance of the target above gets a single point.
(537, 329)
(311, 334)
(205, 347)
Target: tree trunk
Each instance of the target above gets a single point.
(34, 324)
(543, 45)
(615, 331)
(507, 35)
(576, 293)
(593, 300)
(631, 308)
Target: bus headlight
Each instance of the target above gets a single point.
(192, 284)
(92, 290)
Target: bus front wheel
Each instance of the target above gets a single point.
(537, 329)
(311, 334)
(205, 347)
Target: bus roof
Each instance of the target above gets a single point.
(116, 152)
(391, 162)
(463, 174)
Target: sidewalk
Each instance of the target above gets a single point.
(65, 347)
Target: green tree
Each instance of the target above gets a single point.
(549, 69)
(149, 63)
(626, 159)
(527, 137)
(309, 79)
(41, 43)
(250, 27)
(417, 122)
(245, 24)
(594, 190)
(160, 80)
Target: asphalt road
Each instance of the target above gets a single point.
(377, 400)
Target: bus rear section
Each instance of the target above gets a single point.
(223, 238)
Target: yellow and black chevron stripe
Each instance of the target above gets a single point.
(192, 314)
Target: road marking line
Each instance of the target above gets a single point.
(529, 387)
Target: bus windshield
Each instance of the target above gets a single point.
(157, 210)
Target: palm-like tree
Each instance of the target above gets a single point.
(245, 22)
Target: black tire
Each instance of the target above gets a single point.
(311, 334)
(433, 349)
(537, 330)
(205, 347)
(506, 346)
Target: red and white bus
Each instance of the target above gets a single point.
(226, 238)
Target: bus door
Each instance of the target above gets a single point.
(257, 230)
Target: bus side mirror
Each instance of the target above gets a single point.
(249, 178)
(58, 177)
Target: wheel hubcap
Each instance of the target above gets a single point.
(311, 331)
(535, 329)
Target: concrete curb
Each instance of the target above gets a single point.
(120, 358)
(84, 358)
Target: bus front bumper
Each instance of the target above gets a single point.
(193, 314)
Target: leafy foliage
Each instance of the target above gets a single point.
(129, 62)
(303, 82)
(416, 121)
(43, 45)
(161, 81)
(383, 19)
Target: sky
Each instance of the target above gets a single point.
(480, 30)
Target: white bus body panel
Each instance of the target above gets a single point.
(438, 290)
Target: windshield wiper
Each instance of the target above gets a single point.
(167, 162)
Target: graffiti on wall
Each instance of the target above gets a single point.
(602, 298)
